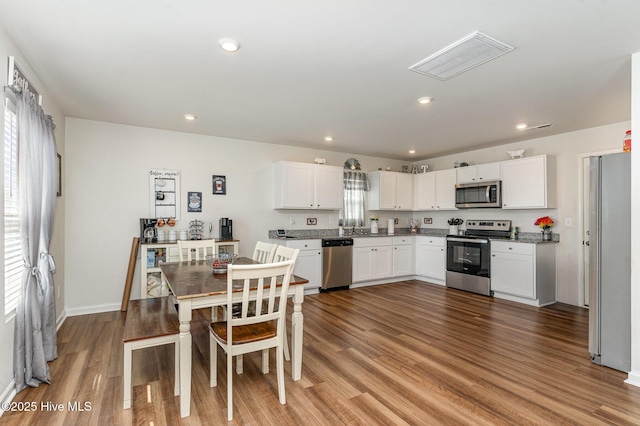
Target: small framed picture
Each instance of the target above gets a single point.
(312, 221)
(195, 202)
(219, 185)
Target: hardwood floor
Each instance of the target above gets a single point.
(403, 353)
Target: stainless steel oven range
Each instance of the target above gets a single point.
(469, 255)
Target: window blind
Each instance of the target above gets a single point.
(13, 259)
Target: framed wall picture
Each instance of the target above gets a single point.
(195, 202)
(219, 185)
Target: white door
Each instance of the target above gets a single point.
(585, 230)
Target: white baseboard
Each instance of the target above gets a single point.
(7, 395)
(96, 309)
(633, 378)
(60, 320)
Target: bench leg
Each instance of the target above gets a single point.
(127, 375)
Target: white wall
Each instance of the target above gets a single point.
(634, 375)
(107, 192)
(7, 48)
(567, 149)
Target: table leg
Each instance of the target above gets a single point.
(184, 315)
(297, 321)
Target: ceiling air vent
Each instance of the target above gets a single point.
(464, 54)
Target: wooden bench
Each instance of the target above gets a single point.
(150, 322)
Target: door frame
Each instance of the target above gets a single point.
(582, 261)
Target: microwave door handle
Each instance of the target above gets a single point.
(488, 194)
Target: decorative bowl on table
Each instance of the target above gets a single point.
(220, 262)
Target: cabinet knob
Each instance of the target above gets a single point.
(510, 248)
(493, 255)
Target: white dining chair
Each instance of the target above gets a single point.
(196, 249)
(264, 252)
(257, 331)
(283, 253)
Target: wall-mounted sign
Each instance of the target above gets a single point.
(164, 194)
(219, 185)
(17, 78)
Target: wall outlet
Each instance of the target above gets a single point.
(428, 221)
(395, 220)
(292, 221)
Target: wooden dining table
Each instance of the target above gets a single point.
(195, 286)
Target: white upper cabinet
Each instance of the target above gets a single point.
(435, 190)
(390, 191)
(308, 186)
(529, 183)
(478, 173)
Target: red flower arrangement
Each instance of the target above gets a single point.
(544, 222)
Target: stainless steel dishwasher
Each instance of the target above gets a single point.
(336, 263)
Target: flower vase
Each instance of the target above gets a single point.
(374, 226)
(453, 229)
(546, 234)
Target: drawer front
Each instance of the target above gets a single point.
(431, 241)
(372, 242)
(305, 244)
(512, 247)
(403, 241)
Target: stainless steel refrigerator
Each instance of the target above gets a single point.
(610, 261)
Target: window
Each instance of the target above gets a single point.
(13, 260)
(355, 185)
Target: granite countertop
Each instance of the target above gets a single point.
(524, 237)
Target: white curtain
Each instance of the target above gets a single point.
(35, 324)
(355, 185)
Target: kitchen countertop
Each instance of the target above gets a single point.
(524, 237)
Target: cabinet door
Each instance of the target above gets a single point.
(430, 261)
(362, 264)
(404, 191)
(513, 274)
(425, 191)
(524, 183)
(309, 266)
(383, 262)
(446, 189)
(294, 185)
(466, 174)
(388, 182)
(488, 171)
(329, 187)
(402, 260)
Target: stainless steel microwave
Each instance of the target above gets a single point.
(479, 195)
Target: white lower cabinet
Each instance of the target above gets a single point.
(524, 272)
(308, 263)
(372, 258)
(403, 256)
(430, 258)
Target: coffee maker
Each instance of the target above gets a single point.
(148, 231)
(226, 232)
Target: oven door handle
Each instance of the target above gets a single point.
(468, 240)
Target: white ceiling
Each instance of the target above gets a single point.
(333, 67)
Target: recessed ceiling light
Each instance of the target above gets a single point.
(328, 138)
(521, 126)
(424, 100)
(412, 151)
(229, 44)
(190, 117)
